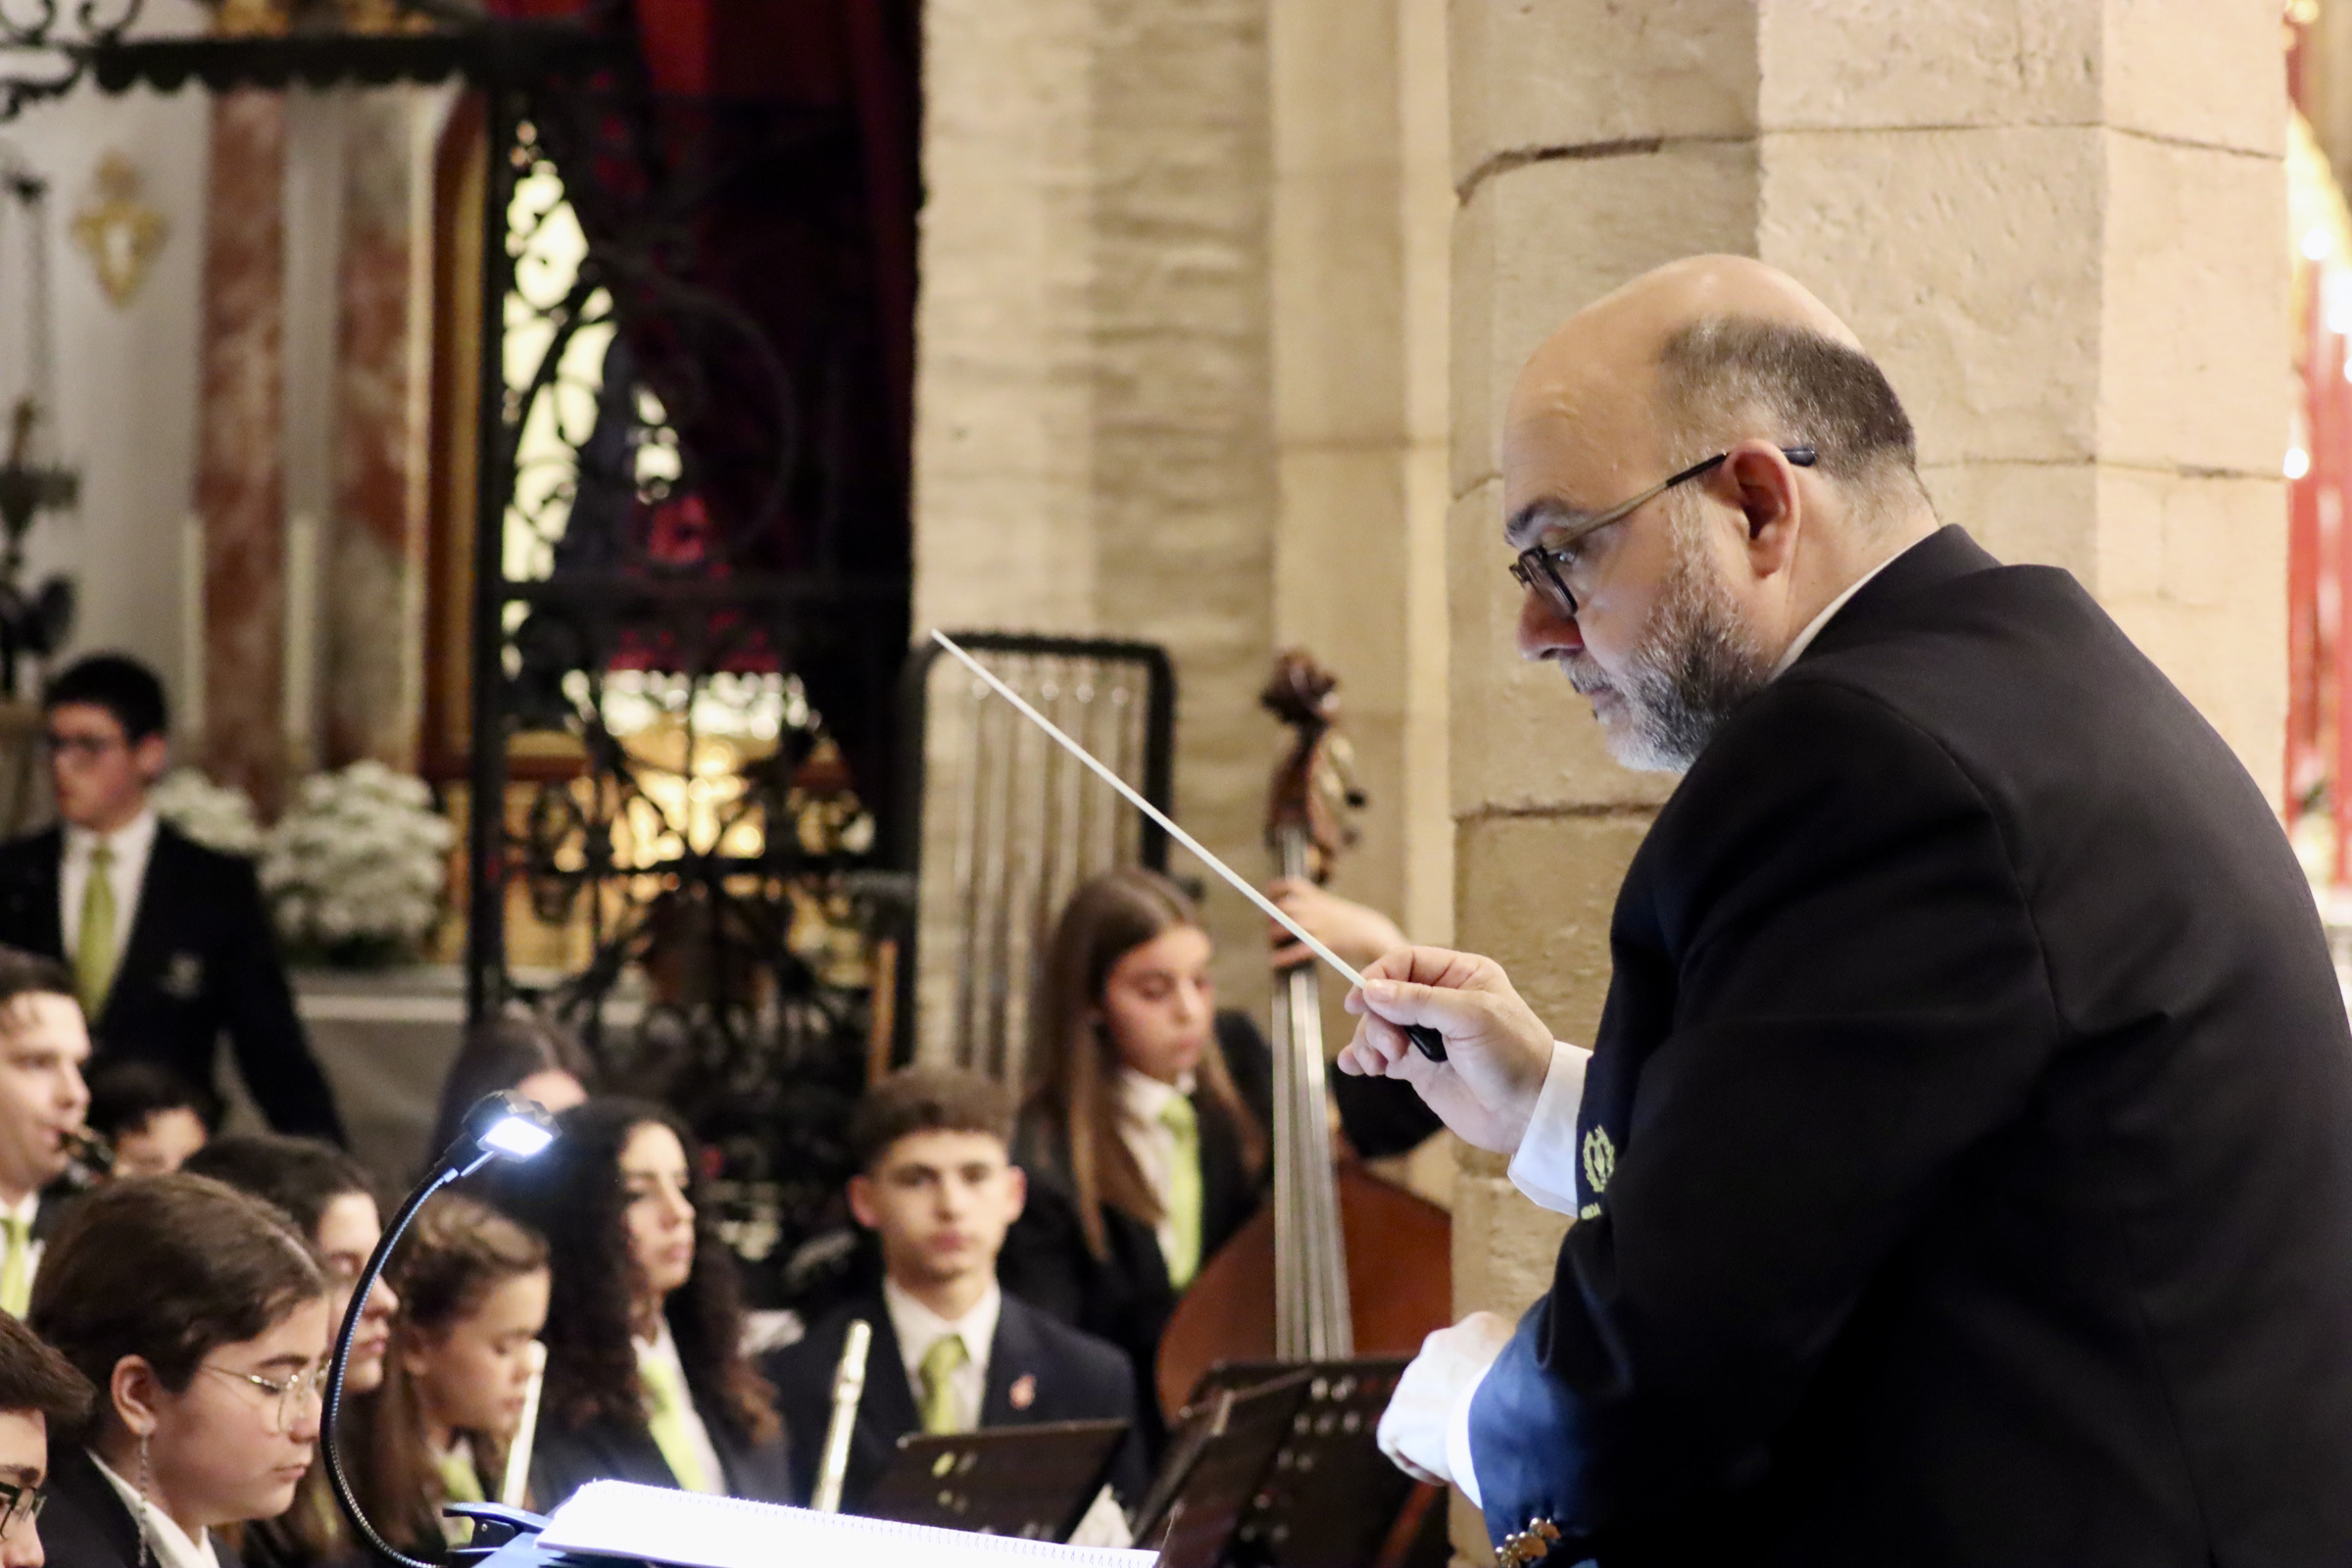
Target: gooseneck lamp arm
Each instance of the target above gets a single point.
(501, 1126)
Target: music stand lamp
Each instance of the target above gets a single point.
(501, 1126)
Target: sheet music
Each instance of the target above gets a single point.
(620, 1519)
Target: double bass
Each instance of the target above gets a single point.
(1341, 1263)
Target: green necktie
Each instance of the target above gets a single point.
(16, 1270)
(458, 1481)
(666, 1406)
(1184, 1190)
(940, 1363)
(94, 944)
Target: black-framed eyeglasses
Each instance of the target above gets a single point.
(288, 1394)
(19, 1506)
(82, 748)
(1537, 566)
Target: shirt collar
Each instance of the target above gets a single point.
(173, 1545)
(1804, 639)
(130, 841)
(1144, 1097)
(918, 1328)
(26, 1209)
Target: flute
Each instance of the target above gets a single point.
(849, 1386)
(515, 1482)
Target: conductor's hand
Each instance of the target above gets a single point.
(1354, 931)
(1496, 1049)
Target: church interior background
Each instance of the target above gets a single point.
(630, 381)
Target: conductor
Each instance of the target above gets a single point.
(1962, 1169)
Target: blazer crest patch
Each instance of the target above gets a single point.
(1601, 1160)
(1023, 1393)
(184, 976)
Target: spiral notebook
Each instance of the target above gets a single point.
(654, 1524)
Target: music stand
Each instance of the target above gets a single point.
(1226, 1439)
(1327, 1497)
(1034, 1482)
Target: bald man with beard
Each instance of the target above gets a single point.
(1962, 1169)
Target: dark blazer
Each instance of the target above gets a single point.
(1967, 1148)
(201, 960)
(84, 1525)
(564, 1460)
(1070, 1377)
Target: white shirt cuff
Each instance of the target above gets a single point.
(1544, 1167)
(1461, 1468)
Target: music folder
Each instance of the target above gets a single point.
(609, 1521)
(1226, 1439)
(1034, 1482)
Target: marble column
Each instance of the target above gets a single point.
(372, 606)
(2059, 225)
(240, 475)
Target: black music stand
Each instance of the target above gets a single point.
(1326, 1497)
(1224, 1443)
(1035, 1482)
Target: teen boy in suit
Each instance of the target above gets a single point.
(168, 942)
(952, 1351)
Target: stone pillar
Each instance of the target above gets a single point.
(2058, 224)
(1092, 449)
(1361, 203)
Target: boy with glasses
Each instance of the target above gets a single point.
(38, 1388)
(168, 942)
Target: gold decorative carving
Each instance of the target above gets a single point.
(117, 230)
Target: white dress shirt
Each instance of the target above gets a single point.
(918, 1328)
(1544, 1166)
(172, 1546)
(1143, 1101)
(662, 1347)
(132, 843)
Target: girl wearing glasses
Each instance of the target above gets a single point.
(328, 1196)
(202, 1319)
(646, 1380)
(473, 1293)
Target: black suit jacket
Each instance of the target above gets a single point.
(84, 1525)
(1967, 1148)
(565, 1459)
(1068, 1376)
(201, 960)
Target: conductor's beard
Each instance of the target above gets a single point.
(1694, 665)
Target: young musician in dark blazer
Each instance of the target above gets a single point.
(938, 1190)
(169, 942)
(1145, 1142)
(201, 1318)
(1964, 1159)
(646, 1380)
(1169, 1102)
(40, 1390)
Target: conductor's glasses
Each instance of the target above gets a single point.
(1537, 566)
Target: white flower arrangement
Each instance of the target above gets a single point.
(219, 817)
(357, 868)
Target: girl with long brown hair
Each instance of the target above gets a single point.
(646, 1376)
(473, 1293)
(1145, 1138)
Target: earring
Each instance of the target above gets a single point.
(146, 1501)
